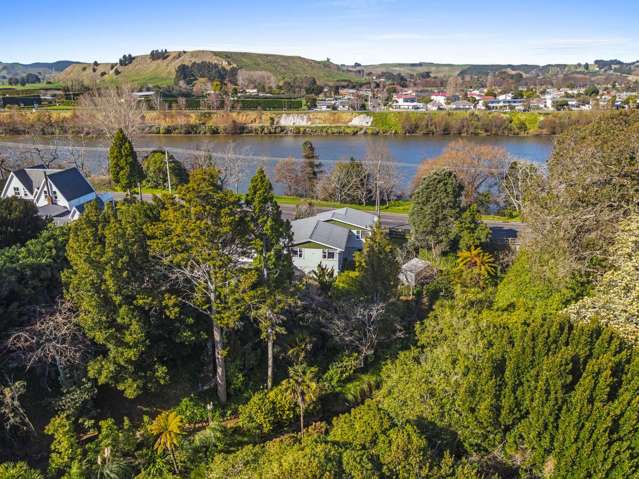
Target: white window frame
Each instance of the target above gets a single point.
(16, 191)
(327, 252)
(297, 253)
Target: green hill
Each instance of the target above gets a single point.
(161, 72)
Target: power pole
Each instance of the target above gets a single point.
(168, 171)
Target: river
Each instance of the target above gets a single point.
(406, 151)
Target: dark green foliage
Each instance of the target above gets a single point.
(155, 170)
(124, 167)
(271, 234)
(378, 267)
(30, 276)
(19, 221)
(551, 395)
(471, 230)
(436, 208)
(189, 74)
(124, 303)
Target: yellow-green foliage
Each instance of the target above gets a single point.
(615, 301)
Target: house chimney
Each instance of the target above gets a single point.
(46, 185)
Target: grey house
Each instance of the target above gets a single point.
(329, 238)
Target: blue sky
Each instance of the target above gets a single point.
(346, 31)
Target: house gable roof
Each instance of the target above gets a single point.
(349, 216)
(71, 183)
(315, 230)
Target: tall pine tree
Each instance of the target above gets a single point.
(271, 240)
(201, 239)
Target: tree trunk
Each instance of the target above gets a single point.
(220, 368)
(175, 466)
(302, 418)
(269, 379)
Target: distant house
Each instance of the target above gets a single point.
(59, 194)
(406, 101)
(461, 105)
(330, 238)
(439, 97)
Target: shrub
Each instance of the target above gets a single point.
(154, 165)
(266, 411)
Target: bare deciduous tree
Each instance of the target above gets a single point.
(475, 165)
(55, 338)
(15, 417)
(287, 172)
(233, 162)
(105, 110)
(357, 325)
(516, 181)
(381, 168)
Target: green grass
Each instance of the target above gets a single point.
(399, 206)
(32, 86)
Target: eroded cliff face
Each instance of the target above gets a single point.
(294, 120)
(362, 120)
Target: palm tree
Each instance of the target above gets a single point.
(303, 387)
(478, 261)
(167, 426)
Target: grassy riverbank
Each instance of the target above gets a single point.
(197, 122)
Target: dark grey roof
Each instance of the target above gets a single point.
(25, 179)
(314, 229)
(350, 216)
(33, 176)
(53, 211)
(71, 183)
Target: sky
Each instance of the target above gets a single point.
(346, 31)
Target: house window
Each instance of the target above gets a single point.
(358, 234)
(55, 195)
(25, 192)
(297, 253)
(16, 191)
(328, 254)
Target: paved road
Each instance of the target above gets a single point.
(501, 231)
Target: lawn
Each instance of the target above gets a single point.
(401, 207)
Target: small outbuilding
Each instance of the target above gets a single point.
(416, 272)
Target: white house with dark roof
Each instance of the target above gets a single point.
(59, 194)
(329, 238)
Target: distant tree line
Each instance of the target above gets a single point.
(125, 60)
(189, 74)
(158, 54)
(24, 80)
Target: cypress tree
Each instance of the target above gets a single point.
(377, 266)
(436, 208)
(124, 167)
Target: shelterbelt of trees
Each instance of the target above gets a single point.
(172, 340)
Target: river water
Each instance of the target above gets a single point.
(407, 151)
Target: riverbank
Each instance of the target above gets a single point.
(314, 123)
